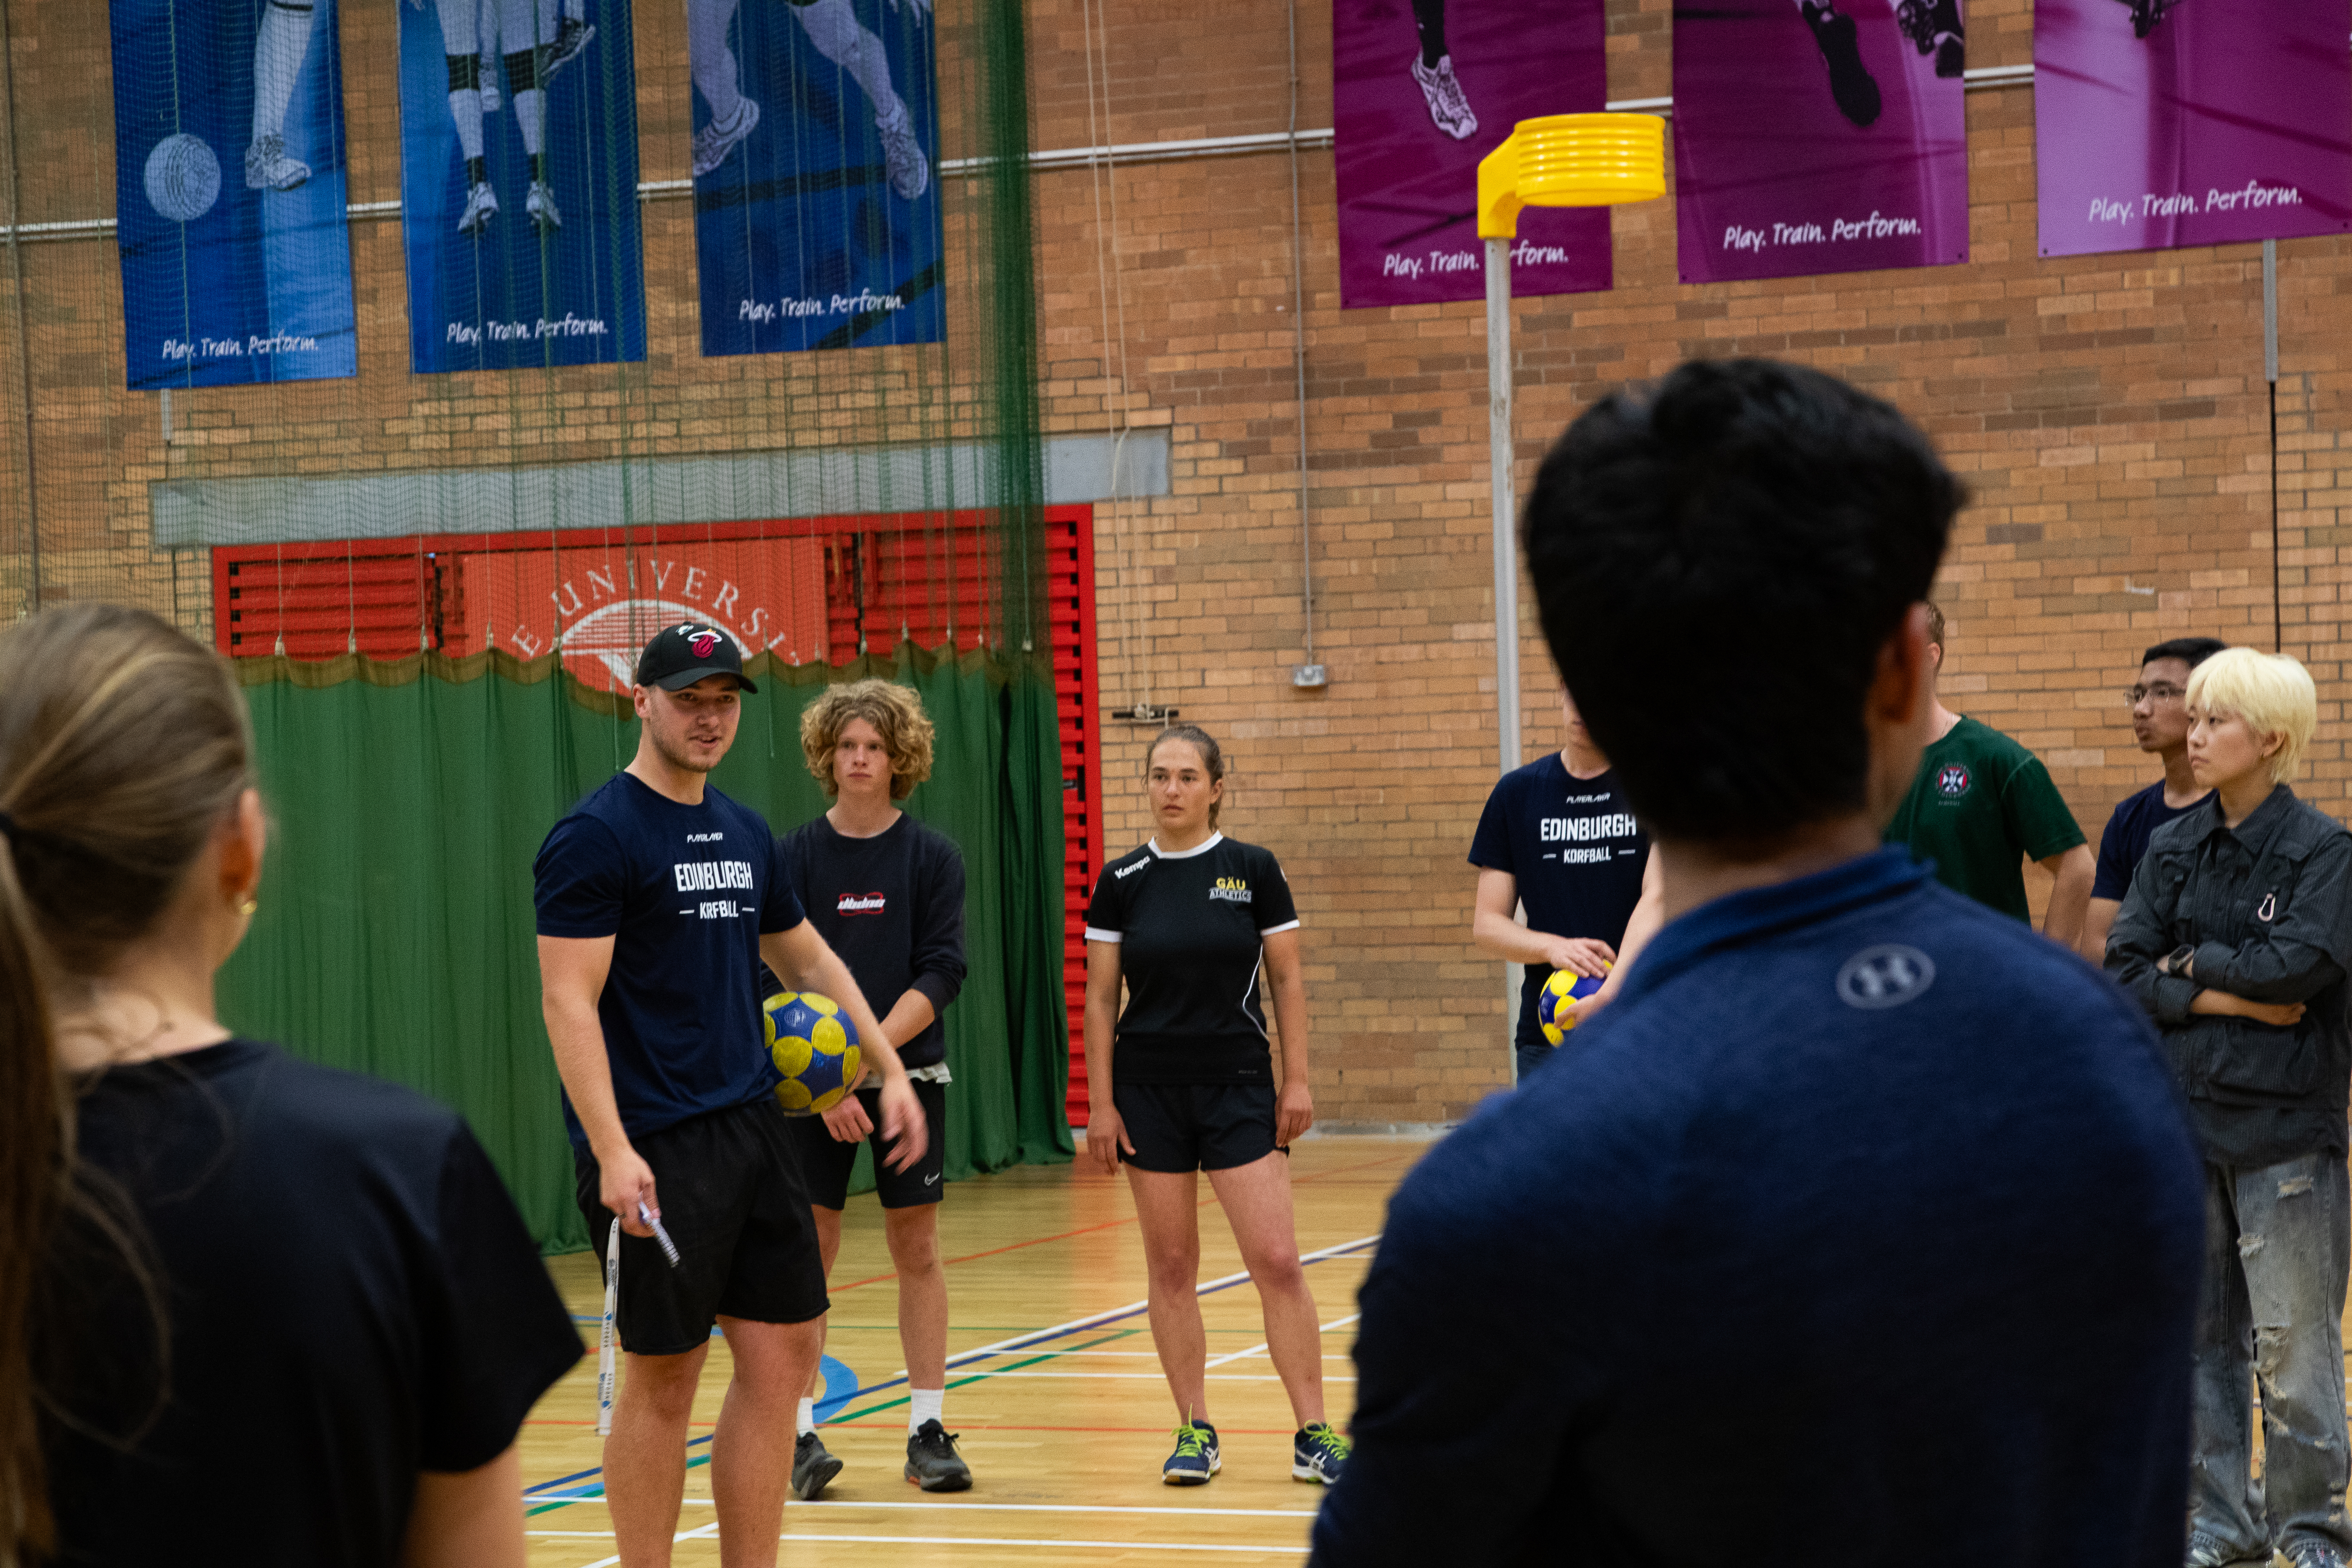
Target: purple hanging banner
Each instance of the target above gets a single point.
(2174, 122)
(1818, 138)
(1423, 90)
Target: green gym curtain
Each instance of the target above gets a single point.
(409, 797)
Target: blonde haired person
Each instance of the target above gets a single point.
(2236, 936)
(888, 893)
(236, 1264)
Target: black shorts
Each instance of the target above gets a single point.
(732, 1201)
(825, 1161)
(1184, 1127)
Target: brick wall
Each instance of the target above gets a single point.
(2110, 414)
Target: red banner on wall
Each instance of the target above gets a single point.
(603, 603)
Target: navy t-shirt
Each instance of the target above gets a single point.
(1835, 1173)
(687, 892)
(2125, 843)
(1577, 855)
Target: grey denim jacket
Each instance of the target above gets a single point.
(2268, 908)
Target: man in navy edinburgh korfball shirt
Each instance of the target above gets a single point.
(1559, 836)
(657, 899)
(1864, 1227)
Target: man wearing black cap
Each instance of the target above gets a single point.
(658, 898)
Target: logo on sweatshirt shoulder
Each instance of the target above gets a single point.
(1884, 976)
(859, 904)
(1952, 781)
(1124, 872)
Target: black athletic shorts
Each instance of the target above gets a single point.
(732, 1201)
(1183, 1127)
(825, 1161)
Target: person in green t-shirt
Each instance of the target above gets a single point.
(1981, 807)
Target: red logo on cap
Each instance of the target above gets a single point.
(702, 642)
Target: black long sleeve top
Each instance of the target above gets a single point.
(892, 907)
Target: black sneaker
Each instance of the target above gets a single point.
(572, 36)
(1851, 83)
(1195, 1459)
(1317, 1454)
(813, 1467)
(932, 1462)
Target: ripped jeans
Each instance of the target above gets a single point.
(2276, 1249)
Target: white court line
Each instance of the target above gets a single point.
(1005, 1508)
(1259, 1349)
(1157, 1377)
(699, 1533)
(1267, 1550)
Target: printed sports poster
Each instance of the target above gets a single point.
(1422, 91)
(816, 204)
(2173, 123)
(518, 184)
(228, 191)
(1819, 136)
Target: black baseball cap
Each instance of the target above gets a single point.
(681, 655)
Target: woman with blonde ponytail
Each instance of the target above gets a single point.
(218, 1263)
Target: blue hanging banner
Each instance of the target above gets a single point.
(518, 184)
(229, 192)
(816, 206)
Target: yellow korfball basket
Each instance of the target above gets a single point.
(1571, 160)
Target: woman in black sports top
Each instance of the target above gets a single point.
(1197, 925)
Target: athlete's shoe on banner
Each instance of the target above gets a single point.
(2146, 14)
(481, 207)
(1317, 1454)
(813, 1467)
(1195, 1459)
(268, 168)
(572, 36)
(910, 171)
(1448, 104)
(716, 139)
(541, 206)
(932, 1462)
(1851, 83)
(1934, 29)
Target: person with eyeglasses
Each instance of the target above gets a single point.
(1980, 805)
(2159, 716)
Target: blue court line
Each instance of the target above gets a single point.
(543, 1494)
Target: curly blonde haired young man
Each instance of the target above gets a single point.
(888, 893)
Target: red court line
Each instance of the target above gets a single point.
(1088, 1229)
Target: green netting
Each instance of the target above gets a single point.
(396, 933)
(303, 525)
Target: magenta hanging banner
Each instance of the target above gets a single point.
(1422, 91)
(1818, 138)
(2176, 123)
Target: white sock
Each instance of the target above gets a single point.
(466, 108)
(807, 1422)
(832, 25)
(277, 51)
(924, 1404)
(709, 59)
(531, 115)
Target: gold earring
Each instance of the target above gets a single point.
(248, 906)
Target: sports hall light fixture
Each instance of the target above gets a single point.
(1557, 161)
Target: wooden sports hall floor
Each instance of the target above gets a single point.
(1065, 1422)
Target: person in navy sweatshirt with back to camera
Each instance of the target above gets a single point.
(1864, 1227)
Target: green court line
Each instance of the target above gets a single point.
(695, 1459)
(848, 1415)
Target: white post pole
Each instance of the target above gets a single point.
(1506, 560)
